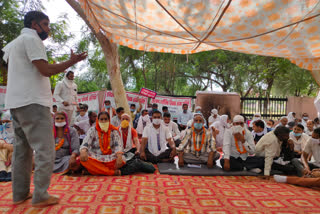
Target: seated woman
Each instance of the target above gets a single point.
(131, 146)
(67, 145)
(101, 152)
(198, 145)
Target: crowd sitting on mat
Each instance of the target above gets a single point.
(97, 144)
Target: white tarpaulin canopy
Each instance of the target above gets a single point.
(282, 28)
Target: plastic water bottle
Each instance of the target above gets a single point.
(176, 162)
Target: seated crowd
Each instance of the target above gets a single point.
(116, 143)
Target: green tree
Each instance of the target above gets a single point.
(11, 23)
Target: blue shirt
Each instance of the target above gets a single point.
(183, 118)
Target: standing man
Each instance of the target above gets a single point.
(65, 94)
(184, 117)
(29, 99)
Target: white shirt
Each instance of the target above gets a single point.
(301, 143)
(212, 119)
(85, 126)
(151, 133)
(308, 132)
(143, 122)
(269, 147)
(313, 147)
(173, 128)
(219, 138)
(115, 121)
(66, 90)
(80, 118)
(229, 145)
(26, 85)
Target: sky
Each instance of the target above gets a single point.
(56, 8)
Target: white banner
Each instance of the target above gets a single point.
(133, 98)
(3, 90)
(174, 104)
(91, 99)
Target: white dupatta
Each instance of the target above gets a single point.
(129, 140)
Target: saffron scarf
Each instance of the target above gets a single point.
(105, 138)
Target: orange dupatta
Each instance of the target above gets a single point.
(237, 145)
(105, 138)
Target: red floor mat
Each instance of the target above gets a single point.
(169, 194)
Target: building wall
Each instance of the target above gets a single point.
(299, 105)
(226, 103)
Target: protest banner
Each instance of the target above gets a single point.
(174, 104)
(133, 98)
(148, 93)
(91, 99)
(3, 90)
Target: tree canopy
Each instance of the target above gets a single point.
(171, 74)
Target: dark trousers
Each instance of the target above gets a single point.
(158, 159)
(136, 165)
(299, 166)
(252, 162)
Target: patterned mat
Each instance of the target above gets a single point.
(157, 193)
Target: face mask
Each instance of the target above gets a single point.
(124, 124)
(269, 127)
(43, 35)
(296, 134)
(198, 125)
(185, 111)
(315, 140)
(305, 118)
(198, 111)
(107, 107)
(237, 129)
(154, 109)
(104, 126)
(156, 121)
(62, 124)
(132, 109)
(145, 118)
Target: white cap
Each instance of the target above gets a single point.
(238, 118)
(214, 111)
(198, 107)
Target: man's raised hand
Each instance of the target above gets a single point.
(77, 57)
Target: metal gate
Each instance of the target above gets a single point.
(272, 108)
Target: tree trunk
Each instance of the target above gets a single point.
(111, 54)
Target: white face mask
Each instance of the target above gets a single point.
(156, 121)
(237, 129)
(62, 124)
(145, 118)
(315, 140)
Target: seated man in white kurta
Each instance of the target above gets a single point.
(238, 144)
